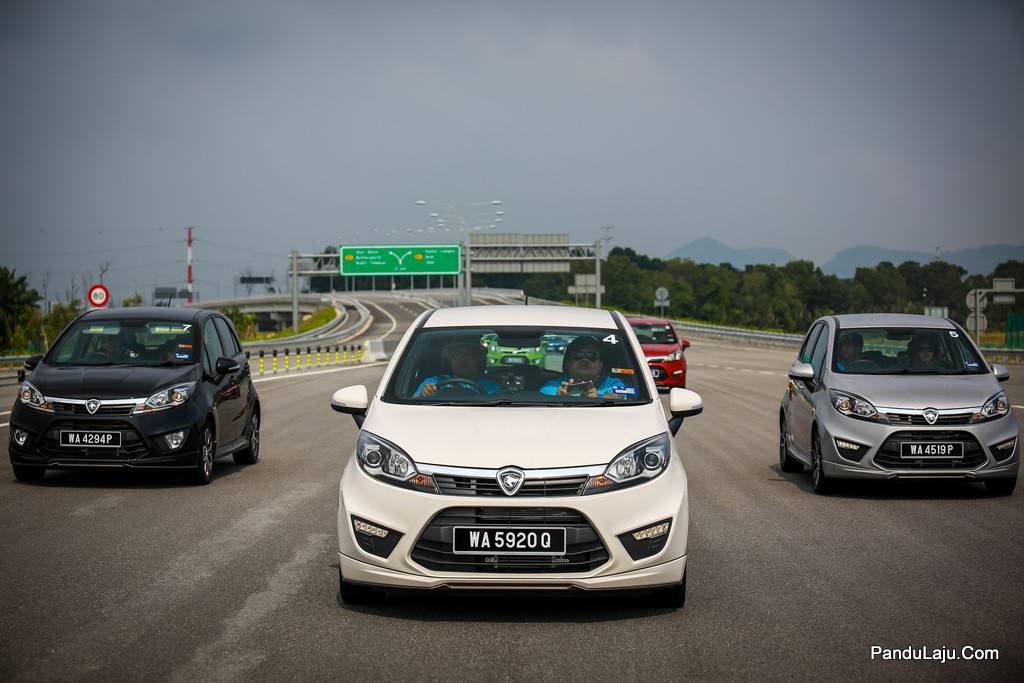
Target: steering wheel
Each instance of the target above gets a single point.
(863, 363)
(97, 355)
(468, 383)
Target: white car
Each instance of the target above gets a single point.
(557, 476)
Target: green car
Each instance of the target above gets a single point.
(499, 355)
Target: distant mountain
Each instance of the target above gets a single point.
(976, 261)
(708, 250)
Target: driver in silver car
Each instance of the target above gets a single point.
(465, 358)
(851, 346)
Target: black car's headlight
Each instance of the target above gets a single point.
(852, 405)
(387, 462)
(997, 406)
(168, 398)
(638, 463)
(33, 398)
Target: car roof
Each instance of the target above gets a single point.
(502, 315)
(892, 320)
(164, 313)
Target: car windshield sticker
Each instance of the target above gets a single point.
(624, 390)
(973, 365)
(622, 371)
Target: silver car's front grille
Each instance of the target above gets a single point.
(889, 453)
(916, 418)
(584, 550)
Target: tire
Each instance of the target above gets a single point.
(787, 463)
(28, 473)
(251, 453)
(671, 597)
(997, 487)
(354, 593)
(203, 471)
(819, 482)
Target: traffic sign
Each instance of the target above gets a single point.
(976, 323)
(401, 259)
(976, 299)
(99, 296)
(661, 293)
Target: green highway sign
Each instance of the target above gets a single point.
(400, 259)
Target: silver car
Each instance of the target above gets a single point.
(885, 396)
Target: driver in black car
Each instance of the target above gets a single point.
(465, 357)
(851, 347)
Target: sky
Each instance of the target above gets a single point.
(268, 127)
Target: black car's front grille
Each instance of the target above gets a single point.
(451, 485)
(889, 453)
(132, 445)
(584, 549)
(114, 410)
(917, 419)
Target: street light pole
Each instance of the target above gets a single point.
(465, 295)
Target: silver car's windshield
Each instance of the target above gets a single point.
(517, 366)
(127, 342)
(909, 350)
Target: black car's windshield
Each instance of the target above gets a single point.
(904, 350)
(134, 343)
(518, 366)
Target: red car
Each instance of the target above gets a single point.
(664, 350)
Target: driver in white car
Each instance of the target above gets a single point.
(465, 357)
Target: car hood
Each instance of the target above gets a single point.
(659, 350)
(920, 391)
(527, 437)
(107, 381)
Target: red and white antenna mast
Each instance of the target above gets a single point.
(189, 265)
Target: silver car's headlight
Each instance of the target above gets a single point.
(33, 398)
(997, 406)
(638, 463)
(171, 397)
(385, 461)
(852, 405)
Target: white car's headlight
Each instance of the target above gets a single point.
(387, 462)
(167, 398)
(638, 463)
(997, 406)
(852, 405)
(33, 398)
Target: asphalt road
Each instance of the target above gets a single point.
(128, 576)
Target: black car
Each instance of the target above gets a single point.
(146, 388)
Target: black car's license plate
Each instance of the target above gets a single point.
(80, 438)
(512, 540)
(913, 450)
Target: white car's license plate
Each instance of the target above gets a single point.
(479, 540)
(913, 450)
(80, 438)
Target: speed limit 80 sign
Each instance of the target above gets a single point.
(99, 296)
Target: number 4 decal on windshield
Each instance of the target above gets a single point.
(611, 339)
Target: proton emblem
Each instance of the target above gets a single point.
(931, 415)
(92, 405)
(510, 479)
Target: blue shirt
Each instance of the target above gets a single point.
(490, 385)
(608, 386)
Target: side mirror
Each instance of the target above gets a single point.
(685, 344)
(32, 361)
(353, 401)
(1000, 371)
(683, 403)
(801, 371)
(225, 365)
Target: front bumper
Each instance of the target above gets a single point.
(668, 374)
(410, 513)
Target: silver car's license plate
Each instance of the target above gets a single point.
(914, 450)
(86, 439)
(479, 540)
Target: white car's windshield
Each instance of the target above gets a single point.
(892, 350)
(518, 366)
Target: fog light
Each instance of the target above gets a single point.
(647, 541)
(20, 436)
(1004, 450)
(374, 538)
(849, 450)
(175, 439)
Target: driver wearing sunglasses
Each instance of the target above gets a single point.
(583, 363)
